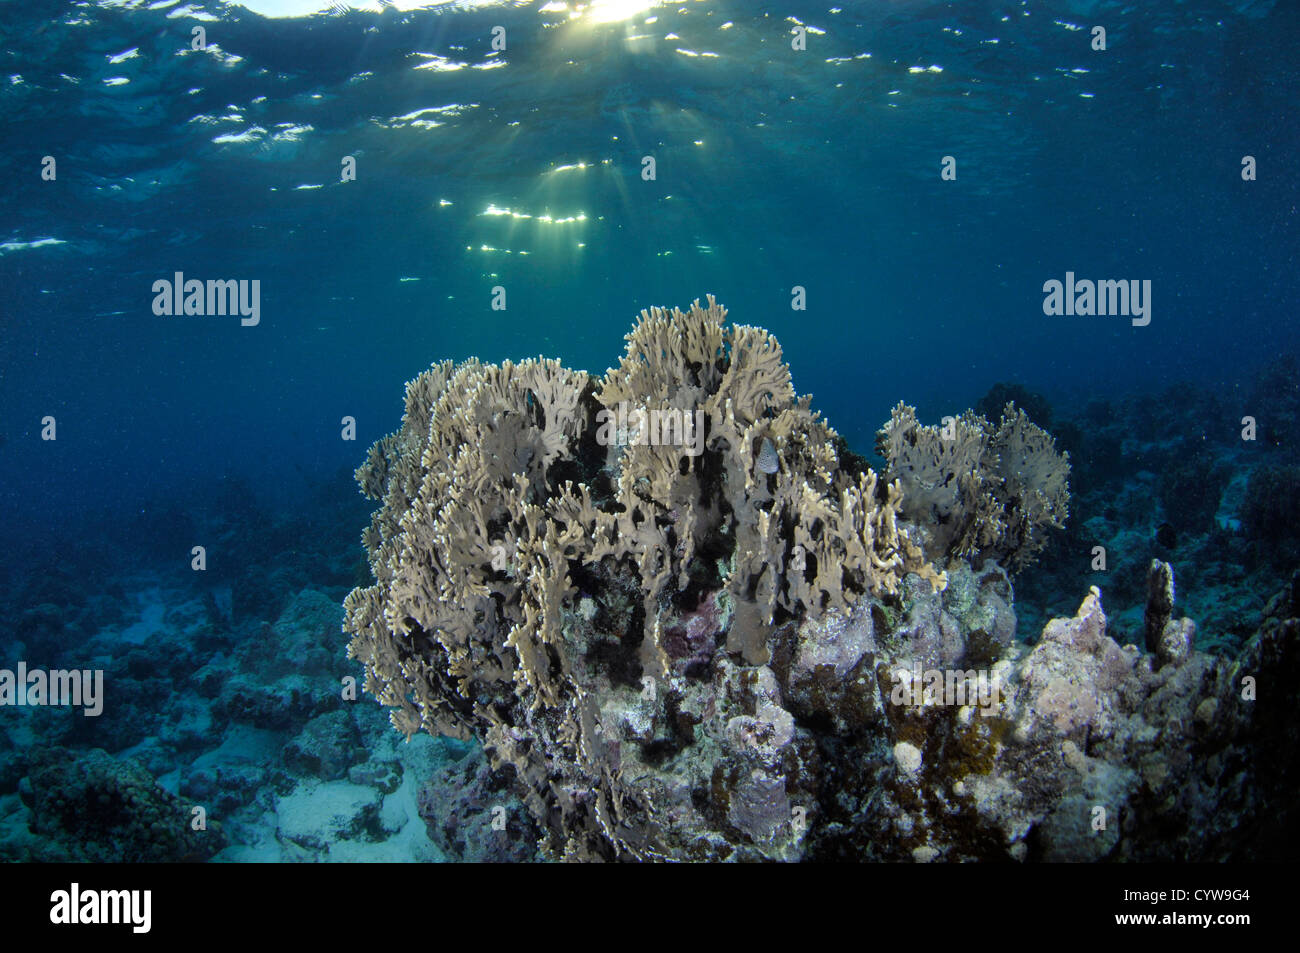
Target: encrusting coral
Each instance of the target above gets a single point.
(680, 641)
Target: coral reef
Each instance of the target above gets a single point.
(1092, 752)
(794, 735)
(737, 649)
(97, 808)
(248, 722)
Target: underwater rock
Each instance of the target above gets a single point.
(317, 814)
(473, 815)
(284, 703)
(287, 674)
(326, 747)
(226, 788)
(386, 776)
(1160, 602)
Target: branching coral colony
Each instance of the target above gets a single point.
(692, 655)
(978, 490)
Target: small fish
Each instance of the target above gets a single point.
(767, 460)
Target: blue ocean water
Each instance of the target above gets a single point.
(520, 167)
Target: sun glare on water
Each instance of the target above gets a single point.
(615, 11)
